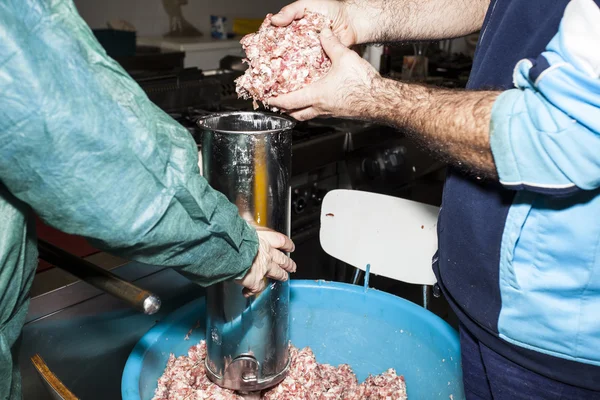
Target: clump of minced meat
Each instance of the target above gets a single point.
(185, 379)
(283, 59)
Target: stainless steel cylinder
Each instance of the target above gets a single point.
(247, 157)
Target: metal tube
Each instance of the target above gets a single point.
(426, 289)
(139, 299)
(247, 157)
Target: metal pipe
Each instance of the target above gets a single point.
(358, 273)
(426, 290)
(106, 281)
(247, 157)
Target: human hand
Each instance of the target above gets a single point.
(346, 90)
(270, 261)
(333, 9)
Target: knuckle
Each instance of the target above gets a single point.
(276, 257)
(282, 275)
(255, 286)
(281, 239)
(278, 240)
(278, 272)
(290, 9)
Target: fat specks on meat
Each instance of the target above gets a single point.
(283, 59)
(309, 380)
(185, 379)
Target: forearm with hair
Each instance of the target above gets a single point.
(454, 124)
(379, 21)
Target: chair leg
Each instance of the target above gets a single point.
(358, 273)
(426, 296)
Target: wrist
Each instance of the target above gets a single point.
(396, 103)
(363, 101)
(384, 96)
(358, 16)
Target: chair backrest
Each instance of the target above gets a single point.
(396, 237)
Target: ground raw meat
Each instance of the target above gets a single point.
(283, 59)
(185, 379)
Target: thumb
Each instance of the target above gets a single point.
(332, 45)
(288, 14)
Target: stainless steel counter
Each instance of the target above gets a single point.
(85, 337)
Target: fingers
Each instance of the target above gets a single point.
(254, 288)
(294, 101)
(278, 240)
(332, 45)
(282, 260)
(305, 114)
(269, 262)
(306, 101)
(288, 14)
(276, 272)
(253, 285)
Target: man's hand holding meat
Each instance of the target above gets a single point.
(454, 124)
(343, 92)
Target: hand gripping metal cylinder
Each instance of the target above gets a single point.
(247, 157)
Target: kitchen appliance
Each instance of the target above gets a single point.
(72, 321)
(247, 157)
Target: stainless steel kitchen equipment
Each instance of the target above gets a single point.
(86, 335)
(247, 157)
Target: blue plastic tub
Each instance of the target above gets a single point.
(368, 329)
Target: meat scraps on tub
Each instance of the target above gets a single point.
(185, 379)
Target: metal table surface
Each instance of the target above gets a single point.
(85, 336)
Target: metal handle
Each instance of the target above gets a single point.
(106, 281)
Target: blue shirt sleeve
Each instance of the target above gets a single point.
(545, 133)
(82, 145)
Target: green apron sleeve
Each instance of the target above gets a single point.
(18, 262)
(82, 144)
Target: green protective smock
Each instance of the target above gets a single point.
(83, 147)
